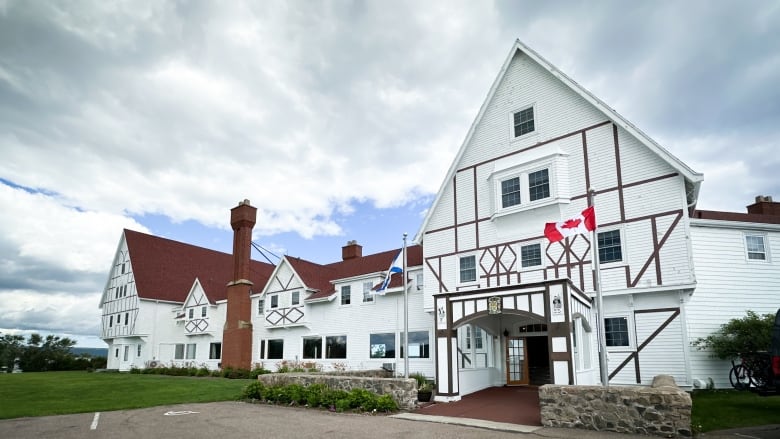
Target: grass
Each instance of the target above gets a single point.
(56, 393)
(724, 409)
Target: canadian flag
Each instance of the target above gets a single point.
(584, 223)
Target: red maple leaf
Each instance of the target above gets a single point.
(571, 223)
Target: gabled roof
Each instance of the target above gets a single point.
(321, 277)
(165, 269)
(692, 178)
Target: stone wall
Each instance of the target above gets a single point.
(664, 410)
(403, 390)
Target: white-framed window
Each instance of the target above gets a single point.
(755, 247)
(474, 347)
(467, 269)
(523, 121)
(520, 188)
(419, 344)
(419, 281)
(275, 349)
(581, 339)
(610, 249)
(346, 295)
(531, 255)
(191, 313)
(178, 353)
(616, 332)
(336, 346)
(274, 301)
(312, 347)
(203, 311)
(215, 351)
(138, 351)
(127, 353)
(382, 345)
(510, 192)
(295, 298)
(367, 296)
(260, 306)
(191, 351)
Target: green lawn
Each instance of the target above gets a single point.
(55, 393)
(723, 409)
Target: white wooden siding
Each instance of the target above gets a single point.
(728, 285)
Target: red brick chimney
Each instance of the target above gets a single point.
(764, 206)
(351, 251)
(237, 334)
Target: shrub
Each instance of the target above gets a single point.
(319, 395)
(386, 403)
(749, 334)
(256, 390)
(420, 378)
(235, 374)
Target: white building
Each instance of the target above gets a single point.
(165, 304)
(737, 261)
(538, 144)
(499, 304)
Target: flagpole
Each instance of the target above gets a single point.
(603, 365)
(406, 315)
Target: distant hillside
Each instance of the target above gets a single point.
(92, 352)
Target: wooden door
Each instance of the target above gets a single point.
(516, 361)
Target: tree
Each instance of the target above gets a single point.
(50, 353)
(751, 333)
(10, 348)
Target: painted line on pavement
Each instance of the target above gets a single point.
(95, 421)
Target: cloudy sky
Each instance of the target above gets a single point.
(337, 120)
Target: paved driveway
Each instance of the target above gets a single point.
(223, 420)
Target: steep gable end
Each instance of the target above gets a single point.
(532, 104)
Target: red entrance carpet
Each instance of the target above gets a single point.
(514, 405)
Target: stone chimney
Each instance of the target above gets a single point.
(764, 206)
(351, 251)
(237, 334)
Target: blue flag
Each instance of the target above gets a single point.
(395, 267)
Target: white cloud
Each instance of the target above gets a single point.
(309, 109)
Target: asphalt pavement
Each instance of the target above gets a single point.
(224, 420)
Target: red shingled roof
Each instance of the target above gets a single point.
(319, 277)
(165, 269)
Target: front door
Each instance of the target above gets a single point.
(516, 361)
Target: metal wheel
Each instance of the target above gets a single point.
(739, 377)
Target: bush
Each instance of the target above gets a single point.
(749, 334)
(235, 374)
(318, 395)
(255, 390)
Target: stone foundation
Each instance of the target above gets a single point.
(403, 390)
(664, 410)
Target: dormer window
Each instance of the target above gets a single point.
(539, 185)
(510, 192)
(295, 298)
(524, 187)
(531, 180)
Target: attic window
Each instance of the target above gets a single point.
(524, 121)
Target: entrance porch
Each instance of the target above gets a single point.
(510, 336)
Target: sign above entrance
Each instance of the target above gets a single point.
(494, 305)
